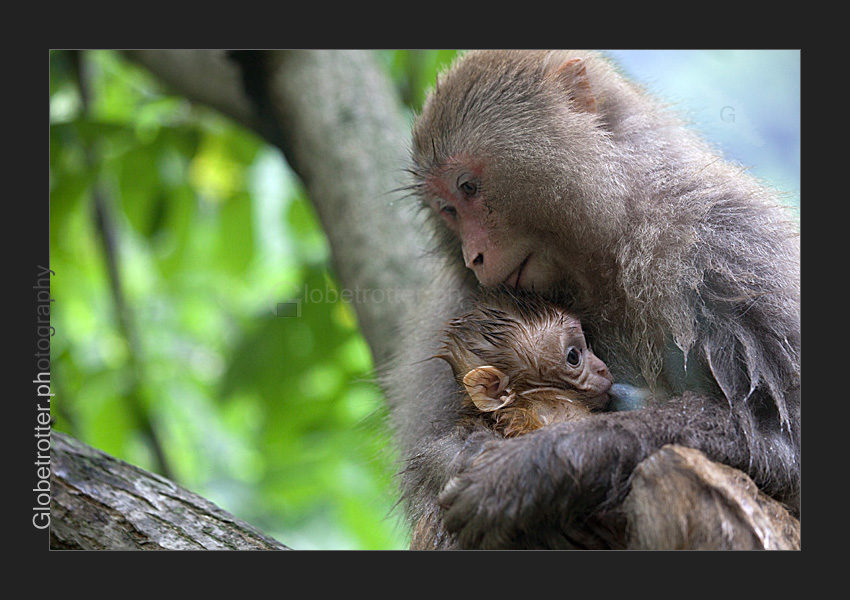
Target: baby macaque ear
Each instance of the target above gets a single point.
(485, 386)
(572, 74)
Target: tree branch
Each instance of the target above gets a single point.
(99, 502)
(105, 227)
(682, 500)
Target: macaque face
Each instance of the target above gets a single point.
(497, 246)
(563, 359)
(459, 195)
(502, 205)
(507, 165)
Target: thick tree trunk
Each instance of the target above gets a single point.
(101, 503)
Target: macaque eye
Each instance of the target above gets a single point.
(573, 356)
(468, 185)
(447, 209)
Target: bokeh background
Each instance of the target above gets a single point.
(168, 352)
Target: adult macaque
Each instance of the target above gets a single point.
(524, 363)
(550, 171)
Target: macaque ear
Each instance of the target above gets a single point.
(572, 74)
(485, 386)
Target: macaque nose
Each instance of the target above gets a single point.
(474, 260)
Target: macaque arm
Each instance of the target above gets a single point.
(516, 492)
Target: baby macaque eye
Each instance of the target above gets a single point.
(573, 356)
(467, 185)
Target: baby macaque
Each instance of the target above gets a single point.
(524, 363)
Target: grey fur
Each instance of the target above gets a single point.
(685, 271)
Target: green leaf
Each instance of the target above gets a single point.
(235, 235)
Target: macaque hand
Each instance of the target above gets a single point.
(514, 489)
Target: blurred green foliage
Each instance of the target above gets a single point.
(276, 419)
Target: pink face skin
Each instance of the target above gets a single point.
(457, 195)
